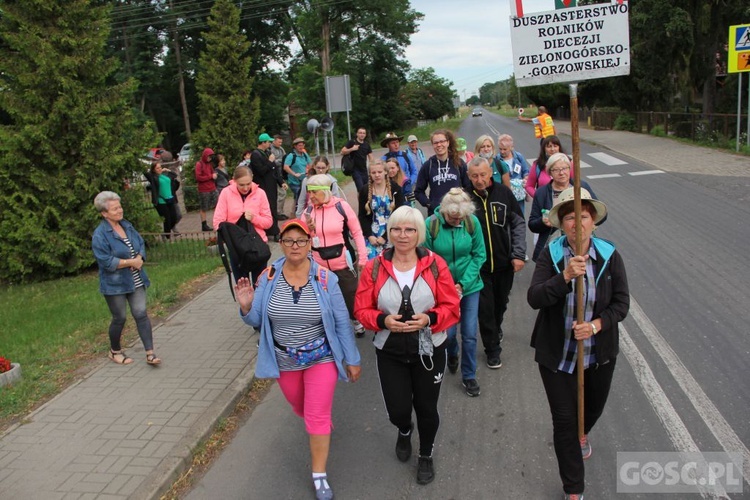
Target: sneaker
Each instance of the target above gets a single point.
(425, 470)
(526, 258)
(494, 361)
(472, 387)
(453, 364)
(585, 446)
(324, 492)
(573, 496)
(359, 330)
(403, 445)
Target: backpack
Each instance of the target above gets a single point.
(347, 165)
(243, 246)
(346, 233)
(433, 225)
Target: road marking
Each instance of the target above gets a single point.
(607, 159)
(602, 176)
(713, 419)
(647, 172)
(584, 164)
(671, 421)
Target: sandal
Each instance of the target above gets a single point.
(151, 359)
(123, 360)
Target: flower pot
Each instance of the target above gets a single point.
(11, 376)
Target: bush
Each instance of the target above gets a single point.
(626, 122)
(658, 131)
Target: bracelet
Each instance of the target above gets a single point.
(593, 328)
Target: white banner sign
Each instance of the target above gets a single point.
(570, 45)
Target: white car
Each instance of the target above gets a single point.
(184, 155)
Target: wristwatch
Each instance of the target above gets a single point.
(593, 328)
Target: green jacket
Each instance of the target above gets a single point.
(464, 252)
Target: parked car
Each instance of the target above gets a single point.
(476, 112)
(184, 155)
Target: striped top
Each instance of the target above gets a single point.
(296, 320)
(136, 273)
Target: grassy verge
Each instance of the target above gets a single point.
(423, 132)
(56, 328)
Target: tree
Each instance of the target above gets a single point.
(364, 39)
(68, 135)
(229, 116)
(427, 95)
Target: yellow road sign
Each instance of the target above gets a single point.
(739, 48)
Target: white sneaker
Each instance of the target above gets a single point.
(359, 330)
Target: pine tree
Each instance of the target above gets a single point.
(65, 136)
(229, 115)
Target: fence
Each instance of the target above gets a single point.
(693, 126)
(183, 246)
(699, 127)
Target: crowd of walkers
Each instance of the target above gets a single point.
(425, 289)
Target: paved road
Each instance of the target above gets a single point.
(678, 386)
(680, 383)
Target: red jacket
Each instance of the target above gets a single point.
(371, 295)
(204, 172)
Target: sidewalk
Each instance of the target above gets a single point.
(129, 431)
(665, 154)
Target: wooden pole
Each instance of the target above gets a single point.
(578, 243)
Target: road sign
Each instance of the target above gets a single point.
(520, 111)
(571, 45)
(739, 49)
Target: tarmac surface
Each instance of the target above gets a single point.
(129, 431)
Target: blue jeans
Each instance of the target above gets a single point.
(469, 325)
(296, 188)
(118, 306)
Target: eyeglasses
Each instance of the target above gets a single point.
(302, 242)
(559, 170)
(409, 231)
(436, 143)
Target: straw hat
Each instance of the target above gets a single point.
(568, 196)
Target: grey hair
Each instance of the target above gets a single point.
(320, 180)
(457, 203)
(410, 215)
(101, 202)
(505, 139)
(556, 158)
(478, 161)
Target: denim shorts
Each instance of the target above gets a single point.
(207, 200)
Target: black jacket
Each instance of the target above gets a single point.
(153, 185)
(543, 200)
(503, 227)
(548, 292)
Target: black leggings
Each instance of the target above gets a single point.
(169, 214)
(562, 396)
(405, 382)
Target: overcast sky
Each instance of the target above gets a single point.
(467, 41)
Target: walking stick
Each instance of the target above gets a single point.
(578, 243)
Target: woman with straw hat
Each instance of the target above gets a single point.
(606, 301)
